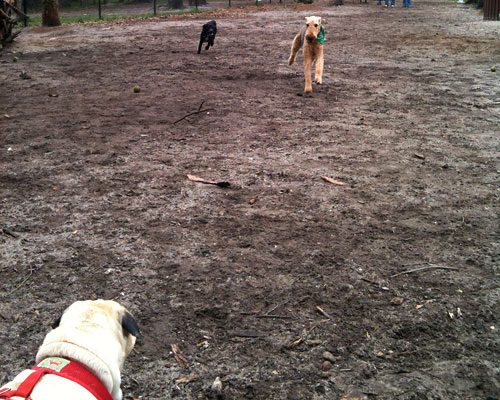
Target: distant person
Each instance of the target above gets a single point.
(407, 3)
(393, 3)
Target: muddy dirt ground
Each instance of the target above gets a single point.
(392, 278)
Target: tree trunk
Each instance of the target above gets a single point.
(177, 4)
(50, 13)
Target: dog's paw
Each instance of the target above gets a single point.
(291, 60)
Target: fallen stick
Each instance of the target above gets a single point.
(274, 316)
(334, 181)
(9, 233)
(193, 113)
(323, 312)
(247, 334)
(21, 284)
(201, 180)
(423, 269)
(295, 343)
(276, 306)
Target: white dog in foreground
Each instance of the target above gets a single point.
(81, 358)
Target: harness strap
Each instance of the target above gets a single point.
(25, 389)
(64, 368)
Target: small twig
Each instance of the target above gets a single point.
(274, 316)
(334, 181)
(9, 233)
(21, 284)
(276, 306)
(295, 343)
(247, 334)
(193, 113)
(424, 269)
(323, 312)
(369, 393)
(222, 184)
(201, 105)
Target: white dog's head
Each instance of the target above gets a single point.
(313, 27)
(100, 334)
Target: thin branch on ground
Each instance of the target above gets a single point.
(424, 269)
(20, 285)
(193, 113)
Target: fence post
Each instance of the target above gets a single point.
(99, 5)
(25, 11)
(154, 7)
(491, 9)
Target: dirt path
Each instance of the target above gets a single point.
(93, 184)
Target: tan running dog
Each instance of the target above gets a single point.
(311, 38)
(81, 358)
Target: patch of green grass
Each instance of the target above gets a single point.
(37, 21)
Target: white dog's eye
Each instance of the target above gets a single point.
(316, 25)
(307, 24)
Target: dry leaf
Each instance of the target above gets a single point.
(217, 385)
(186, 379)
(179, 357)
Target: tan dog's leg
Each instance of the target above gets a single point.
(318, 77)
(308, 59)
(296, 45)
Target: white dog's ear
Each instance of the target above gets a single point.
(56, 323)
(319, 20)
(129, 324)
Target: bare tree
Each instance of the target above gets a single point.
(10, 15)
(50, 13)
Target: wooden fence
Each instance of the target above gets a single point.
(491, 9)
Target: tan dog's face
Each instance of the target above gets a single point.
(89, 315)
(313, 27)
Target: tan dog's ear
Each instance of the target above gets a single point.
(129, 324)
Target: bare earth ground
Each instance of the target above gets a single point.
(93, 186)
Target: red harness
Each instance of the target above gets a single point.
(65, 368)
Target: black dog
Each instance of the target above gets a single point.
(208, 35)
